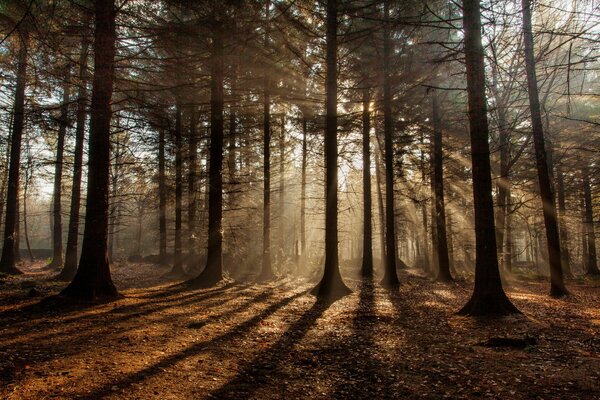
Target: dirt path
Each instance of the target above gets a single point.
(273, 341)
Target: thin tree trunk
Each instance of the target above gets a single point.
(557, 285)
(70, 265)
(192, 189)
(282, 191)
(443, 260)
(562, 222)
(57, 242)
(367, 260)
(93, 279)
(162, 199)
(591, 263)
(331, 287)
(390, 277)
(267, 271)
(381, 207)
(9, 252)
(28, 176)
(303, 191)
(177, 269)
(213, 272)
(488, 295)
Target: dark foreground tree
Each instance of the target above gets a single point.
(367, 261)
(70, 265)
(390, 277)
(590, 263)
(57, 242)
(9, 250)
(93, 280)
(488, 296)
(332, 286)
(557, 284)
(441, 241)
(213, 272)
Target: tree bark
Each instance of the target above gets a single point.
(562, 222)
(331, 287)
(213, 272)
(162, 199)
(9, 252)
(390, 277)
(303, 191)
(367, 260)
(443, 261)
(282, 241)
(57, 242)
(177, 269)
(93, 280)
(557, 285)
(70, 265)
(192, 189)
(591, 263)
(488, 296)
(267, 270)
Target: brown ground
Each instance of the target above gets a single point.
(273, 341)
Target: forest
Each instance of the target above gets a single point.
(290, 199)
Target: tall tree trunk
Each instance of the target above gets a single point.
(488, 295)
(57, 243)
(562, 222)
(9, 253)
(267, 270)
(508, 242)
(177, 269)
(332, 286)
(390, 277)
(381, 207)
(213, 272)
(70, 265)
(192, 189)
(282, 235)
(367, 261)
(162, 199)
(303, 191)
(93, 279)
(591, 263)
(557, 285)
(28, 176)
(443, 260)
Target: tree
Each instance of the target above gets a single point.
(70, 264)
(488, 295)
(93, 280)
(590, 262)
(443, 261)
(557, 285)
(7, 261)
(213, 272)
(331, 287)
(390, 277)
(367, 261)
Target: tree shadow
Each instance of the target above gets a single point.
(267, 366)
(197, 348)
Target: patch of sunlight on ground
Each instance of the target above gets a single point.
(446, 294)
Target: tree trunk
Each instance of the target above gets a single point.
(213, 272)
(93, 279)
(443, 260)
(28, 176)
(390, 277)
(381, 207)
(488, 296)
(162, 199)
(9, 252)
(591, 263)
(282, 191)
(562, 222)
(267, 270)
(192, 190)
(367, 261)
(303, 191)
(332, 286)
(70, 265)
(57, 243)
(557, 285)
(177, 270)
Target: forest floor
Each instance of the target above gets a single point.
(273, 341)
